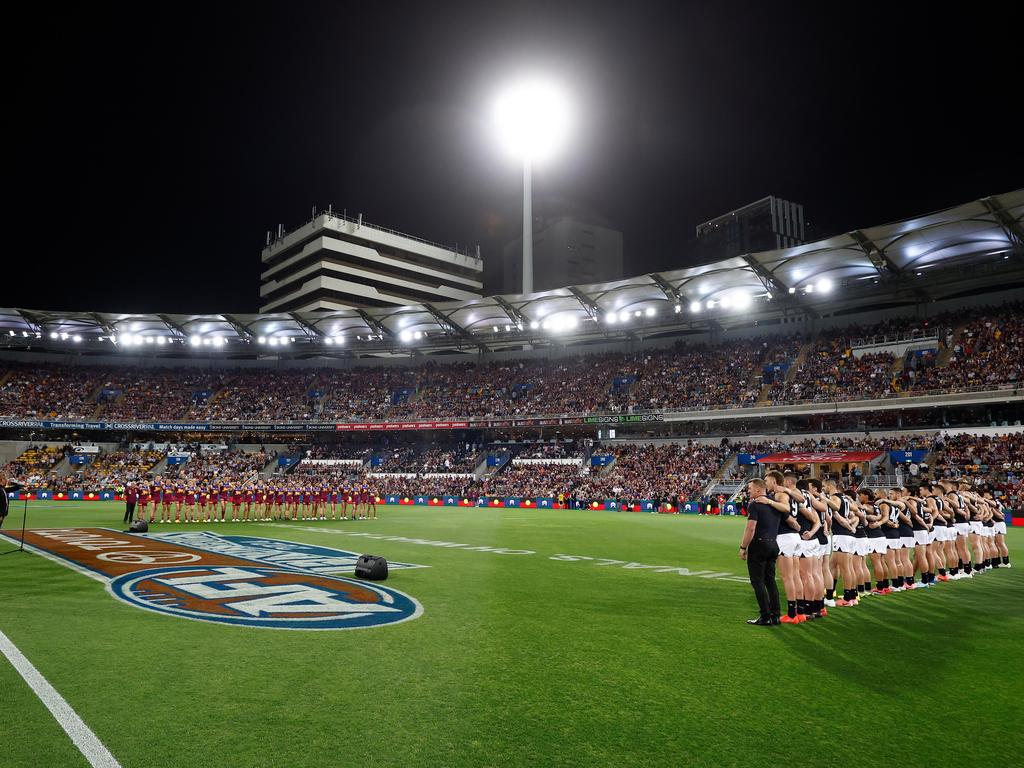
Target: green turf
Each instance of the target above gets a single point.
(521, 660)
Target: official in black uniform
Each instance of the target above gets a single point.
(759, 548)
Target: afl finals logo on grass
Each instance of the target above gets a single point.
(251, 587)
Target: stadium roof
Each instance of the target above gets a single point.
(929, 257)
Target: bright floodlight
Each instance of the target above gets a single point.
(741, 299)
(405, 336)
(824, 285)
(532, 119)
(650, 311)
(695, 306)
(195, 341)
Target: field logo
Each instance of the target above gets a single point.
(241, 580)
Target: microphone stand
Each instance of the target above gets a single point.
(24, 516)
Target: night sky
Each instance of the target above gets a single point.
(156, 143)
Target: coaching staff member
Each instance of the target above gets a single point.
(131, 497)
(759, 548)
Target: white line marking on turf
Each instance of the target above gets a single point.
(86, 741)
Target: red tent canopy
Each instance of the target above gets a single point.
(818, 457)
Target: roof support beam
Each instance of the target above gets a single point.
(375, 325)
(174, 327)
(587, 303)
(774, 286)
(877, 255)
(310, 330)
(451, 325)
(513, 314)
(107, 327)
(1005, 219)
(31, 319)
(666, 287)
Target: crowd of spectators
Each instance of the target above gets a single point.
(988, 353)
(50, 391)
(218, 466)
(728, 373)
(35, 464)
(158, 395)
(962, 455)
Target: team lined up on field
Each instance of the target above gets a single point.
(876, 541)
(235, 503)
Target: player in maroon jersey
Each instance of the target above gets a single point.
(371, 503)
(201, 499)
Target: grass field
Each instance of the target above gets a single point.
(521, 659)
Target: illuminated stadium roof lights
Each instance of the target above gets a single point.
(971, 248)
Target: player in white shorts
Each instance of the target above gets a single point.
(790, 545)
(999, 518)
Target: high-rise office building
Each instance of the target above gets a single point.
(334, 262)
(765, 225)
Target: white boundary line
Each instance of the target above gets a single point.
(81, 735)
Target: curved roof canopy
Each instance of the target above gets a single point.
(862, 267)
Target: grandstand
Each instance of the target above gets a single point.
(621, 390)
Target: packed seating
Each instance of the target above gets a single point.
(729, 373)
(988, 353)
(35, 464)
(964, 454)
(218, 466)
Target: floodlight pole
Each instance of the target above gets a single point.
(527, 229)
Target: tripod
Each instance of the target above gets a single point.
(24, 516)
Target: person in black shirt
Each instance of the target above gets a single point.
(4, 505)
(760, 550)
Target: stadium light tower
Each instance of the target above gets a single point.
(532, 121)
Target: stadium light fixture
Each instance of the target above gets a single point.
(534, 325)
(161, 340)
(809, 288)
(710, 305)
(611, 318)
(679, 308)
(113, 338)
(54, 335)
(405, 336)
(727, 302)
(195, 341)
(63, 336)
(824, 285)
(149, 339)
(418, 335)
(792, 290)
(77, 338)
(219, 341)
(741, 300)
(328, 341)
(261, 340)
(650, 312)
(695, 306)
(532, 120)
(272, 342)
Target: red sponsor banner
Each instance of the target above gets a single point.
(528, 503)
(466, 503)
(405, 500)
(389, 425)
(496, 503)
(818, 457)
(435, 502)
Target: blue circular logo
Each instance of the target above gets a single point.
(254, 596)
